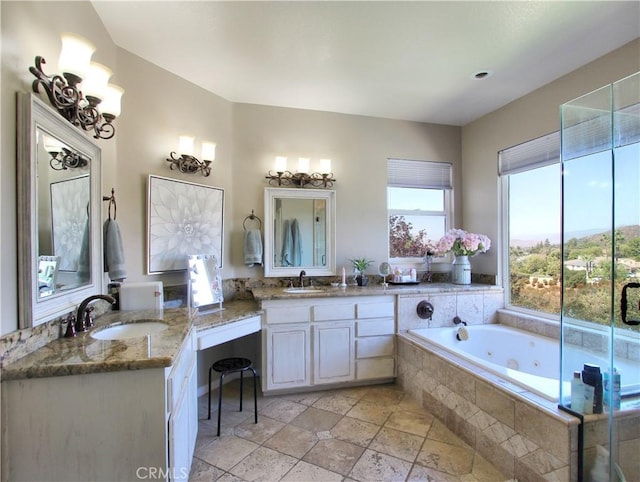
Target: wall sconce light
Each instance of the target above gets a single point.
(97, 104)
(62, 158)
(301, 178)
(189, 164)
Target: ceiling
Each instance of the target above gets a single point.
(399, 60)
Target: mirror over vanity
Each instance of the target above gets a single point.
(299, 232)
(59, 239)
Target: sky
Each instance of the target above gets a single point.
(589, 186)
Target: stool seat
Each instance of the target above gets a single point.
(232, 365)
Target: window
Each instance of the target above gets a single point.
(419, 207)
(531, 206)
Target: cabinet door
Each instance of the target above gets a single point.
(288, 356)
(183, 427)
(333, 352)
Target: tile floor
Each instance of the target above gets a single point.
(373, 433)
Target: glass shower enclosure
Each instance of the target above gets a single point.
(600, 342)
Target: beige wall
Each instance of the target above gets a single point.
(526, 118)
(30, 29)
(359, 148)
(158, 106)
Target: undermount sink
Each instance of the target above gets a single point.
(123, 331)
(302, 290)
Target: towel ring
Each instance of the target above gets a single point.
(112, 201)
(252, 217)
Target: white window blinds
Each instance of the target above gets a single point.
(419, 174)
(535, 153)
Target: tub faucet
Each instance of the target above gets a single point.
(302, 275)
(457, 320)
(84, 314)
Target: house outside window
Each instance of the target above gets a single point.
(419, 207)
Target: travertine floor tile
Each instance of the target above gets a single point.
(314, 419)
(426, 474)
(370, 412)
(264, 465)
(203, 472)
(446, 458)
(306, 472)
(384, 395)
(483, 471)
(258, 432)
(417, 423)
(334, 455)
(365, 434)
(225, 452)
(355, 431)
(283, 410)
(305, 398)
(403, 445)
(292, 440)
(335, 403)
(374, 466)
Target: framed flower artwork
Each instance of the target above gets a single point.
(182, 218)
(70, 220)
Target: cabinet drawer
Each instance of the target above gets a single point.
(334, 312)
(287, 314)
(375, 368)
(375, 346)
(385, 326)
(377, 309)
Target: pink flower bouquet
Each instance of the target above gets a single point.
(463, 243)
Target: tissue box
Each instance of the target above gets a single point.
(141, 296)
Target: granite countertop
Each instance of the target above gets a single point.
(84, 354)
(262, 294)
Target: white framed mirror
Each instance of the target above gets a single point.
(299, 232)
(58, 171)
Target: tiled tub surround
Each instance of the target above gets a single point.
(627, 421)
(525, 436)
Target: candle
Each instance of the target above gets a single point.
(344, 276)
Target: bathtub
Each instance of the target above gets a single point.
(528, 360)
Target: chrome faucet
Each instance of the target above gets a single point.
(80, 324)
(302, 275)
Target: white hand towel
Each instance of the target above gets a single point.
(252, 247)
(113, 251)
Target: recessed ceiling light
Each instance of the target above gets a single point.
(482, 74)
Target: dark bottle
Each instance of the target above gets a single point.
(591, 376)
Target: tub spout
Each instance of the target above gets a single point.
(462, 334)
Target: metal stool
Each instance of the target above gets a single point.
(232, 365)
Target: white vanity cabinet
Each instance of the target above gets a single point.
(316, 341)
(182, 410)
(105, 426)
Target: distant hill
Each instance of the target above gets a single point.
(592, 235)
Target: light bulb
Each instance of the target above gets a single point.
(185, 146)
(208, 151)
(281, 164)
(303, 164)
(325, 166)
(95, 85)
(75, 55)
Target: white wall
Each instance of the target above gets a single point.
(526, 118)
